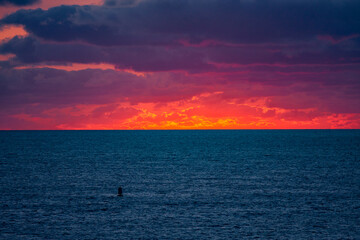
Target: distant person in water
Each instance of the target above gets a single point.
(120, 191)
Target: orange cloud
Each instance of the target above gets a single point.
(197, 114)
(72, 67)
(77, 67)
(190, 114)
(9, 31)
(5, 57)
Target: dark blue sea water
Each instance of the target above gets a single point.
(180, 184)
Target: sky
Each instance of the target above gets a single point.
(179, 64)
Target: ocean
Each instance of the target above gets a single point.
(201, 184)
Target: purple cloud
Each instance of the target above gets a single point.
(165, 22)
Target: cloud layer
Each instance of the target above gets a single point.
(183, 64)
(165, 22)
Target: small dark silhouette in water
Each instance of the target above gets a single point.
(120, 192)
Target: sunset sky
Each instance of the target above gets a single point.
(179, 64)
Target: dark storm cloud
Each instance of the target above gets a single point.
(142, 58)
(192, 59)
(164, 35)
(161, 35)
(18, 2)
(165, 22)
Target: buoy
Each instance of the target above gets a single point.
(120, 191)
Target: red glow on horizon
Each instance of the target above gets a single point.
(191, 114)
